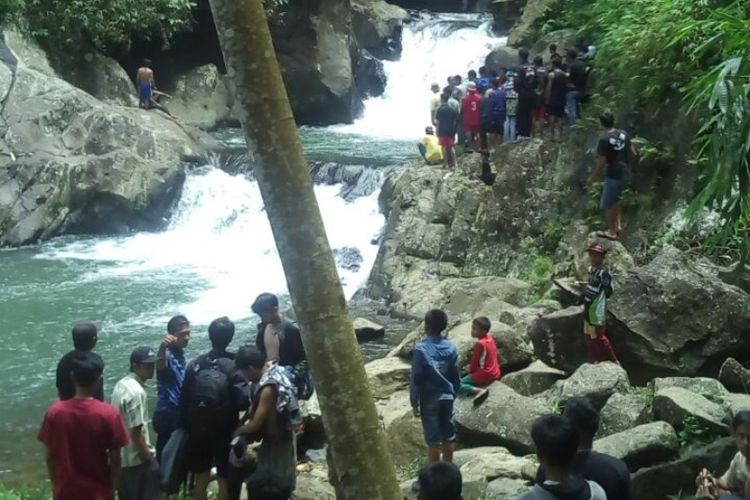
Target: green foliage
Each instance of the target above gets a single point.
(539, 272)
(24, 493)
(694, 433)
(647, 394)
(105, 23)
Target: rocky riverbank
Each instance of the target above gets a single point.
(450, 242)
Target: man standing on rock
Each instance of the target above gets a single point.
(85, 336)
(596, 293)
(614, 155)
(144, 81)
(447, 123)
(434, 101)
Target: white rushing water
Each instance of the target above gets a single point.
(434, 47)
(220, 245)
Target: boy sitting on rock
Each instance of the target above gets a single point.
(735, 483)
(434, 385)
(484, 368)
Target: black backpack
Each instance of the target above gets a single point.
(210, 400)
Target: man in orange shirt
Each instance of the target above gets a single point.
(484, 368)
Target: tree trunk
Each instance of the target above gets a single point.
(356, 440)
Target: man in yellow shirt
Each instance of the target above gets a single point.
(429, 148)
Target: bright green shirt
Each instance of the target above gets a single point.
(130, 398)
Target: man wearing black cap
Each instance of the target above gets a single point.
(140, 470)
(83, 437)
(85, 335)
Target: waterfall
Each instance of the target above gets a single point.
(434, 47)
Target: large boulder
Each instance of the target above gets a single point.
(201, 97)
(72, 164)
(707, 387)
(664, 320)
(641, 446)
(735, 403)
(316, 48)
(502, 57)
(534, 379)
(597, 382)
(505, 419)
(564, 39)
(492, 462)
(734, 376)
(664, 481)
(558, 338)
(623, 412)
(387, 375)
(513, 349)
(505, 489)
(378, 26)
(403, 430)
(367, 330)
(312, 484)
(675, 404)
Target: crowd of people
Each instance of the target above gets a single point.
(94, 449)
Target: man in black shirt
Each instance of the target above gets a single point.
(577, 76)
(608, 472)
(447, 125)
(85, 335)
(614, 154)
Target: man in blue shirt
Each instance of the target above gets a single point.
(434, 385)
(170, 375)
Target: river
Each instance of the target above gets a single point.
(217, 253)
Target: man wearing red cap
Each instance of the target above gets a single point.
(596, 293)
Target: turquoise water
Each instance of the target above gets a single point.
(132, 285)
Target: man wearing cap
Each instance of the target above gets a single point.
(595, 295)
(140, 470)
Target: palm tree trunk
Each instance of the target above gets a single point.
(356, 441)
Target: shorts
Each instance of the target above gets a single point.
(540, 112)
(139, 483)
(437, 422)
(447, 141)
(611, 192)
(204, 451)
(471, 130)
(556, 110)
(496, 126)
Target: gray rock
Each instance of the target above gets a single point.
(674, 404)
(596, 382)
(623, 412)
(680, 333)
(534, 379)
(641, 446)
(513, 348)
(735, 403)
(348, 258)
(387, 375)
(314, 485)
(564, 39)
(533, 13)
(501, 57)
(491, 462)
(663, 481)
(504, 420)
(558, 339)
(82, 166)
(377, 26)
(201, 98)
(403, 431)
(734, 376)
(367, 330)
(706, 387)
(505, 489)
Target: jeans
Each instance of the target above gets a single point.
(510, 129)
(573, 105)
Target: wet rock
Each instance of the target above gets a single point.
(534, 379)
(369, 75)
(597, 382)
(675, 404)
(348, 258)
(558, 339)
(503, 420)
(663, 481)
(502, 57)
(641, 446)
(734, 376)
(491, 462)
(202, 98)
(706, 387)
(623, 412)
(378, 26)
(367, 330)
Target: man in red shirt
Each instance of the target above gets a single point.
(470, 112)
(484, 368)
(83, 437)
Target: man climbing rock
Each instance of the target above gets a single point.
(595, 295)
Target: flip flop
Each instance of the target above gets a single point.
(605, 235)
(481, 397)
